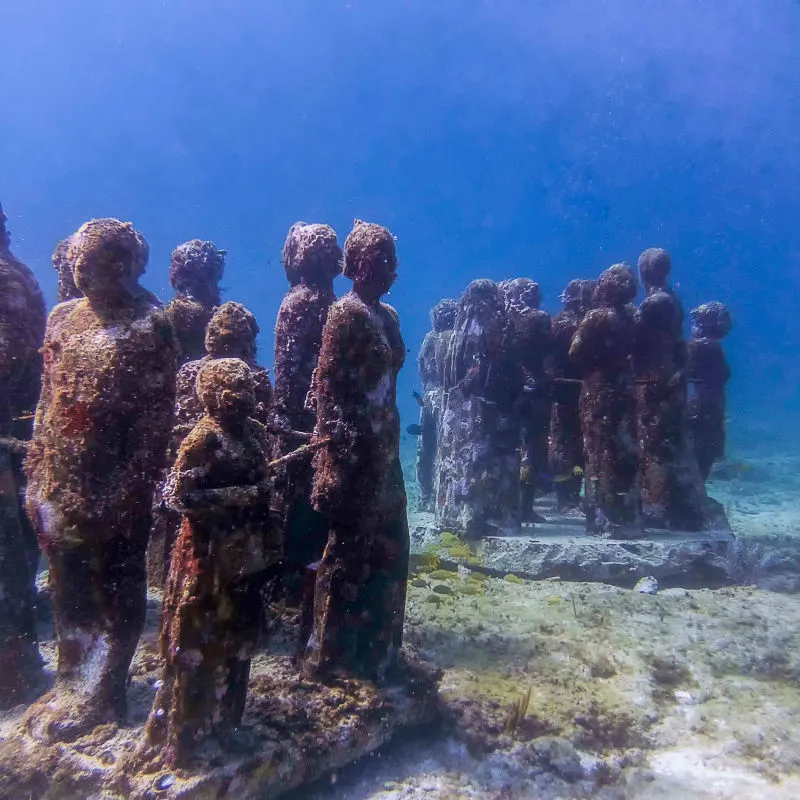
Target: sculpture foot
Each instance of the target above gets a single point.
(65, 717)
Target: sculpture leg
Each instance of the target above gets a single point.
(426, 455)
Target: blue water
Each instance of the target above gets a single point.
(495, 139)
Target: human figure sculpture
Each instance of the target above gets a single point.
(432, 359)
(226, 547)
(22, 319)
(358, 487)
(565, 443)
(477, 477)
(602, 349)
(312, 259)
(195, 270)
(231, 333)
(67, 290)
(99, 441)
(708, 372)
(528, 342)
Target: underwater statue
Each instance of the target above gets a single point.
(359, 603)
(707, 372)
(22, 324)
(602, 349)
(226, 547)
(565, 444)
(231, 333)
(528, 342)
(312, 259)
(478, 472)
(672, 492)
(99, 441)
(195, 270)
(432, 358)
(67, 290)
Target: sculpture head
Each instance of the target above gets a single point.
(711, 320)
(616, 286)
(225, 388)
(443, 315)
(195, 270)
(65, 269)
(481, 299)
(5, 236)
(106, 255)
(521, 294)
(657, 311)
(578, 295)
(370, 260)
(654, 266)
(231, 332)
(311, 254)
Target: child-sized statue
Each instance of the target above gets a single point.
(708, 372)
(528, 341)
(312, 259)
(602, 349)
(565, 445)
(231, 333)
(195, 270)
(432, 358)
(359, 605)
(99, 441)
(226, 546)
(22, 322)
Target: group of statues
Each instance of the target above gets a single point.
(161, 452)
(605, 397)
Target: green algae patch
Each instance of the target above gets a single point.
(443, 588)
(444, 575)
(512, 578)
(449, 539)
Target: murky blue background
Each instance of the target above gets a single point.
(496, 139)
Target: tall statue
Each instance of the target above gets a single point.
(195, 270)
(602, 349)
(432, 358)
(672, 491)
(212, 604)
(231, 333)
(528, 342)
(708, 373)
(478, 475)
(565, 444)
(359, 604)
(22, 322)
(312, 259)
(99, 442)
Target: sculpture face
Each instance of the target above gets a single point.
(712, 320)
(443, 315)
(616, 286)
(370, 260)
(225, 387)
(654, 267)
(232, 332)
(107, 255)
(196, 269)
(311, 254)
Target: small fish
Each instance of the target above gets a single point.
(575, 472)
(418, 397)
(414, 430)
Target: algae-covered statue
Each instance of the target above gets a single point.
(22, 323)
(358, 484)
(528, 341)
(231, 333)
(432, 358)
(672, 492)
(312, 259)
(99, 441)
(226, 546)
(195, 270)
(602, 349)
(477, 482)
(708, 372)
(565, 442)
